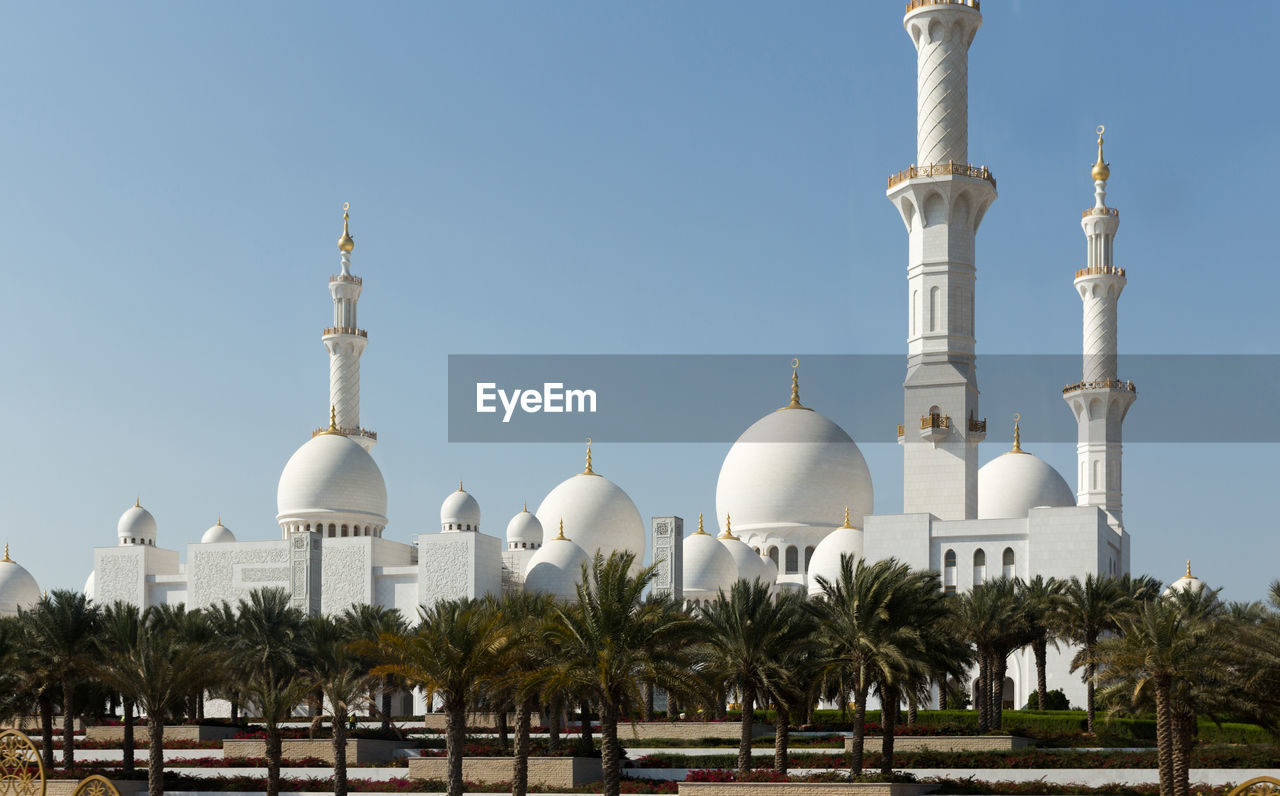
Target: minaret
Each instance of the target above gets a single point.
(942, 199)
(346, 342)
(1100, 399)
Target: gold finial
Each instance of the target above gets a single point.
(219, 519)
(346, 243)
(1017, 434)
(526, 507)
(727, 533)
(700, 530)
(460, 489)
(562, 537)
(846, 518)
(588, 471)
(795, 387)
(6, 554)
(1101, 169)
(137, 502)
(333, 418)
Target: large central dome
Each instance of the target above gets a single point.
(793, 467)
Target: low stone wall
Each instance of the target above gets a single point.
(477, 721)
(31, 725)
(113, 733)
(649, 730)
(557, 772)
(945, 743)
(66, 787)
(359, 750)
(803, 789)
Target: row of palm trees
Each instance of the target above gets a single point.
(878, 629)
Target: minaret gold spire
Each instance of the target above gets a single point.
(346, 243)
(333, 418)
(1101, 169)
(795, 387)
(1017, 434)
(588, 471)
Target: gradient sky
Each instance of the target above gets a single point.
(584, 177)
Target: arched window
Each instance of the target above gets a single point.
(949, 572)
(773, 555)
(808, 556)
(793, 559)
(979, 567)
(1007, 564)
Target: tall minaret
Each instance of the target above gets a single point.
(346, 343)
(942, 199)
(1100, 399)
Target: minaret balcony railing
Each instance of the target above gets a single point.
(1100, 270)
(935, 421)
(978, 426)
(1100, 211)
(345, 330)
(1101, 384)
(914, 4)
(346, 278)
(902, 431)
(942, 170)
(347, 431)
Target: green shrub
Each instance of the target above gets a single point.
(1053, 700)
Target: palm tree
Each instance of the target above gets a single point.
(1042, 597)
(342, 679)
(158, 672)
(225, 626)
(1089, 609)
(604, 643)
(854, 617)
(268, 648)
(524, 616)
(63, 626)
(1255, 660)
(996, 621)
(117, 637)
(368, 622)
(457, 647)
(750, 637)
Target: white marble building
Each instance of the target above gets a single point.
(794, 492)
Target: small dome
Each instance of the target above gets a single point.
(460, 512)
(17, 588)
(556, 569)
(218, 534)
(793, 467)
(826, 556)
(1016, 482)
(600, 515)
(524, 528)
(136, 526)
(1187, 582)
(708, 566)
(89, 584)
(750, 566)
(331, 478)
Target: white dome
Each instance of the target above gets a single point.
(89, 584)
(136, 526)
(793, 467)
(218, 534)
(524, 528)
(17, 588)
(1016, 482)
(826, 556)
(708, 567)
(556, 569)
(1187, 582)
(460, 512)
(749, 564)
(599, 515)
(332, 479)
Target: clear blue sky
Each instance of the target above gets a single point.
(583, 177)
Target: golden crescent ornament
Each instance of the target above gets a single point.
(795, 363)
(1102, 128)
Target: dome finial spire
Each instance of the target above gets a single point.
(588, 471)
(562, 537)
(846, 517)
(346, 243)
(333, 417)
(795, 387)
(1101, 169)
(727, 533)
(137, 502)
(6, 554)
(1017, 434)
(700, 530)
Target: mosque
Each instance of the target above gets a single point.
(794, 493)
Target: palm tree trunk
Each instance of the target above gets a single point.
(127, 741)
(1041, 649)
(455, 739)
(646, 690)
(718, 711)
(235, 709)
(584, 739)
(155, 757)
(744, 736)
(46, 728)
(1164, 737)
(386, 704)
(997, 693)
(553, 727)
(913, 710)
(1183, 725)
(982, 694)
(68, 722)
(504, 732)
(942, 692)
(888, 719)
(1088, 698)
(339, 749)
(610, 752)
(520, 774)
(273, 758)
(317, 713)
(859, 731)
(781, 740)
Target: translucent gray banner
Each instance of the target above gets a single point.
(713, 398)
